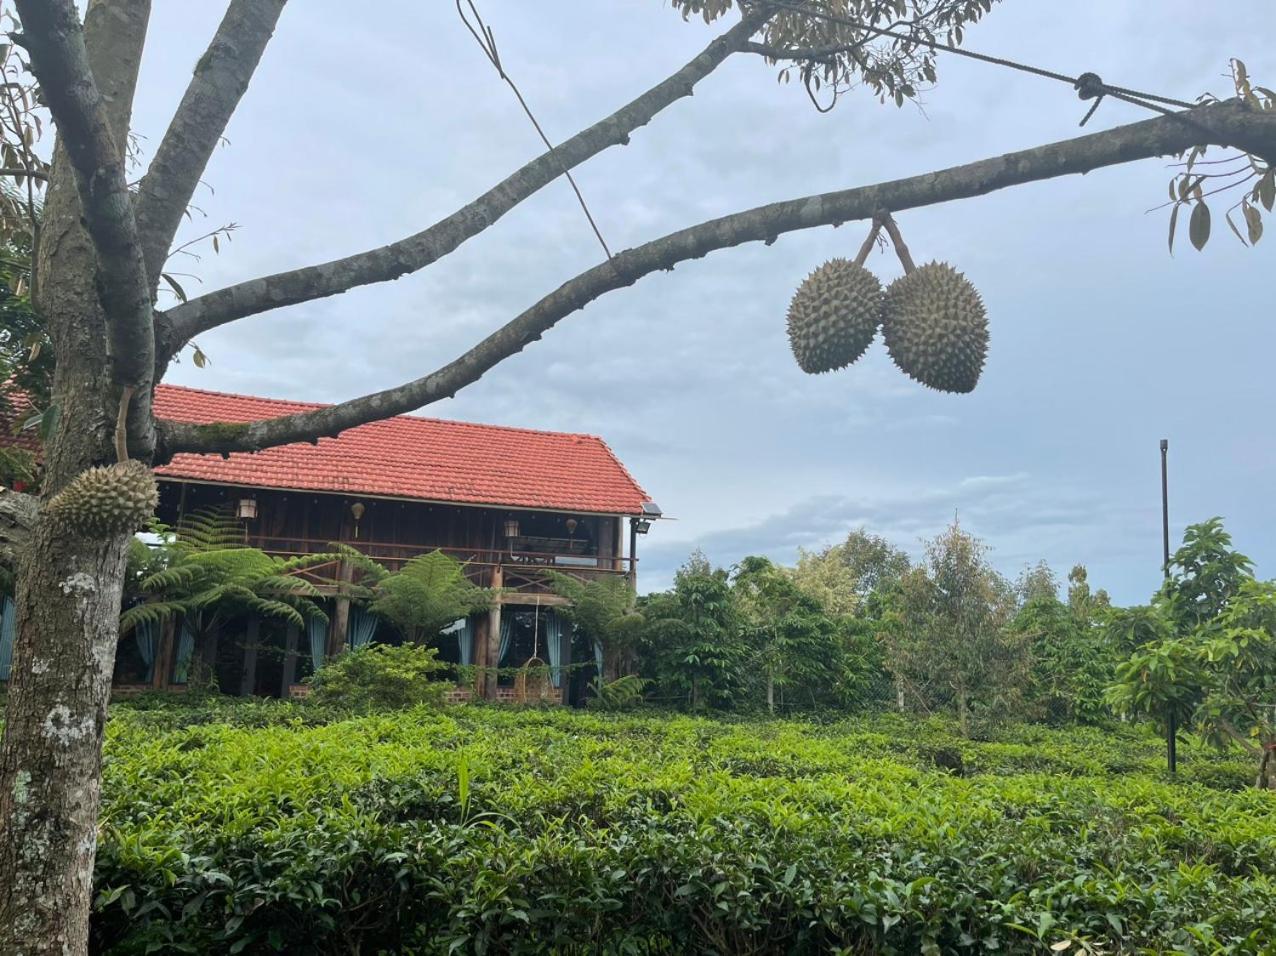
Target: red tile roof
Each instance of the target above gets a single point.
(409, 457)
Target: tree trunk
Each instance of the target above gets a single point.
(69, 589)
(50, 764)
(963, 709)
(770, 692)
(1267, 768)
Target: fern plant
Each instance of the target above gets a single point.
(427, 594)
(211, 575)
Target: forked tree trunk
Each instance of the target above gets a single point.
(69, 589)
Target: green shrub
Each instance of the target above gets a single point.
(380, 677)
(499, 830)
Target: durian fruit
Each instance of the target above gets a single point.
(104, 501)
(935, 327)
(834, 316)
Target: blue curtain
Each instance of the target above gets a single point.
(464, 631)
(363, 624)
(146, 642)
(554, 644)
(185, 650)
(7, 621)
(317, 629)
(507, 628)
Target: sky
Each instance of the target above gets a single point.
(359, 130)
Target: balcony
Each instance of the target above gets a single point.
(524, 569)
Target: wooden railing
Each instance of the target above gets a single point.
(519, 570)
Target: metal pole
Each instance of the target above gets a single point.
(1171, 732)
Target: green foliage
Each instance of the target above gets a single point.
(1072, 661)
(693, 648)
(799, 654)
(1248, 174)
(428, 594)
(1205, 651)
(947, 638)
(623, 693)
(380, 677)
(848, 54)
(603, 610)
(207, 574)
(1204, 574)
(491, 830)
(852, 577)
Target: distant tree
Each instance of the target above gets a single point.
(1037, 583)
(851, 577)
(794, 645)
(1072, 662)
(604, 612)
(427, 594)
(1204, 574)
(1205, 649)
(947, 636)
(692, 642)
(1084, 604)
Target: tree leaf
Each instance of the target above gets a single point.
(199, 358)
(175, 286)
(1232, 226)
(1253, 222)
(1174, 218)
(1198, 227)
(1267, 189)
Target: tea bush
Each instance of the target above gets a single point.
(381, 676)
(489, 830)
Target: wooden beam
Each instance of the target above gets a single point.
(164, 655)
(291, 638)
(340, 627)
(248, 677)
(493, 637)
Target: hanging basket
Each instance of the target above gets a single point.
(532, 685)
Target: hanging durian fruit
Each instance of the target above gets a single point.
(934, 323)
(835, 313)
(101, 502)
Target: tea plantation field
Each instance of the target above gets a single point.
(254, 827)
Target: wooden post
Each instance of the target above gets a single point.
(565, 660)
(494, 635)
(248, 677)
(164, 655)
(341, 614)
(291, 637)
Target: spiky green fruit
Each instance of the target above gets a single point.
(834, 316)
(104, 501)
(935, 327)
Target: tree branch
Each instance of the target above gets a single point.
(19, 172)
(221, 78)
(184, 322)
(53, 36)
(1229, 124)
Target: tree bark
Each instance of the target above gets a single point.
(69, 589)
(68, 606)
(221, 79)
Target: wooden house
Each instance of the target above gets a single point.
(512, 504)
